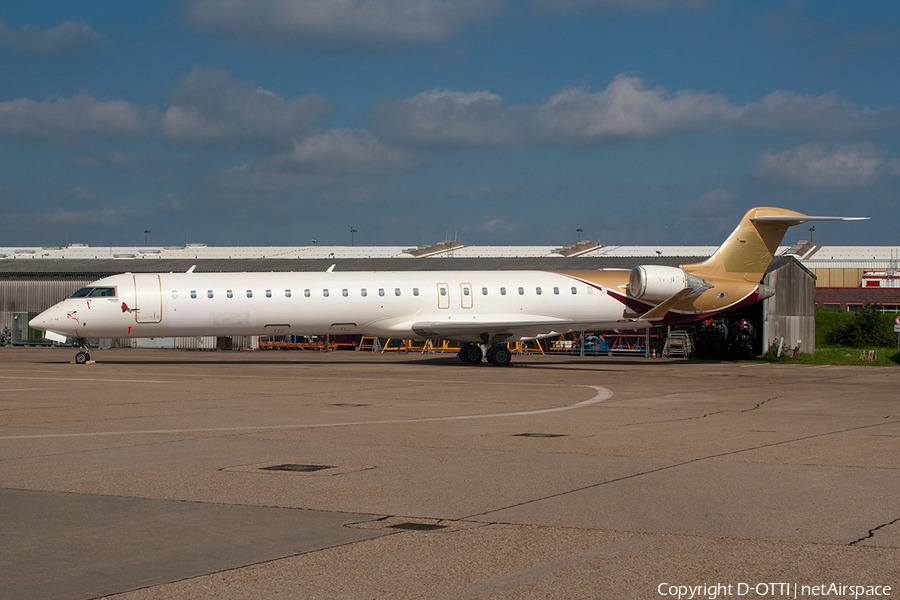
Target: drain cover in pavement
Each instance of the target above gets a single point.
(417, 526)
(300, 468)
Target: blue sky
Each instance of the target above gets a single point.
(498, 122)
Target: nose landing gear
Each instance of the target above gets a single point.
(83, 357)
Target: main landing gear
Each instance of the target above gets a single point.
(498, 355)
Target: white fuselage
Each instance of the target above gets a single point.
(384, 304)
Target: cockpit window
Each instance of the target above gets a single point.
(95, 292)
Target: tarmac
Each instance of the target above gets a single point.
(146, 475)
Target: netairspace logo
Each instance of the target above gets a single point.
(713, 591)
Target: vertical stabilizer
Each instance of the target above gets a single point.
(747, 252)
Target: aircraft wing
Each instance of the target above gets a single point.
(500, 330)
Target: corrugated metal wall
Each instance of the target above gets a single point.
(791, 312)
(836, 278)
(33, 295)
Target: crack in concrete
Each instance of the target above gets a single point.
(674, 466)
(709, 414)
(873, 530)
(758, 404)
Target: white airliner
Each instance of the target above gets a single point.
(482, 309)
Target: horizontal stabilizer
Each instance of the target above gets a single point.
(803, 219)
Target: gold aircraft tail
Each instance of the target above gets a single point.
(747, 252)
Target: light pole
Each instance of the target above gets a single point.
(811, 229)
(146, 233)
(579, 232)
(352, 239)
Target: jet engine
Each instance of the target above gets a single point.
(655, 283)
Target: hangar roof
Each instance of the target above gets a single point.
(81, 260)
(103, 267)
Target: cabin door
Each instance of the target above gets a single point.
(147, 298)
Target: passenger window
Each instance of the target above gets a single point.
(209, 293)
(345, 292)
(556, 291)
(538, 291)
(363, 292)
(521, 291)
(306, 293)
(193, 293)
(574, 290)
(229, 293)
(325, 292)
(174, 294)
(590, 290)
(415, 291)
(484, 291)
(287, 293)
(443, 291)
(249, 293)
(268, 293)
(465, 291)
(381, 291)
(396, 291)
(503, 291)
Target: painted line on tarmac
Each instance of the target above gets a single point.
(602, 395)
(86, 379)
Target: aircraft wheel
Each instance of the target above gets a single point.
(471, 354)
(82, 357)
(500, 356)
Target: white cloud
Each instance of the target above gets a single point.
(587, 6)
(507, 229)
(716, 202)
(109, 161)
(211, 108)
(627, 110)
(817, 165)
(68, 120)
(69, 37)
(113, 218)
(81, 195)
(346, 151)
(827, 115)
(340, 24)
(486, 193)
(348, 164)
(452, 118)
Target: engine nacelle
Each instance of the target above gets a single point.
(655, 283)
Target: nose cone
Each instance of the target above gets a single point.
(49, 322)
(39, 322)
